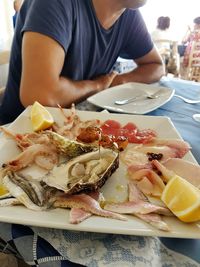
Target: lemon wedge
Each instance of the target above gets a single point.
(41, 119)
(3, 191)
(183, 199)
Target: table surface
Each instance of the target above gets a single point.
(42, 245)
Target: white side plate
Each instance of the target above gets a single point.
(106, 99)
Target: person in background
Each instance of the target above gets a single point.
(190, 36)
(161, 35)
(16, 5)
(166, 45)
(194, 33)
(64, 51)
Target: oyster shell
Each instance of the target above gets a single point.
(69, 148)
(87, 172)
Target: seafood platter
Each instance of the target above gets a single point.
(99, 172)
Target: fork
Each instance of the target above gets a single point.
(187, 100)
(131, 99)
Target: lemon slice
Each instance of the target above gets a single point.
(41, 119)
(183, 199)
(3, 191)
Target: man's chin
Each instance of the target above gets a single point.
(138, 4)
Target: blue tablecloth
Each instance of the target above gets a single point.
(50, 247)
(181, 112)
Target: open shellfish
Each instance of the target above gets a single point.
(87, 172)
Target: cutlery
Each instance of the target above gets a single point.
(196, 117)
(131, 99)
(187, 100)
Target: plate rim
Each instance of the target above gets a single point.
(91, 99)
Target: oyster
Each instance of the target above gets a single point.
(69, 148)
(87, 172)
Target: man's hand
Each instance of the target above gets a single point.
(150, 68)
(105, 81)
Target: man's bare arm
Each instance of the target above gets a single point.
(42, 62)
(149, 69)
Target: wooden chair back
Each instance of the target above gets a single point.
(193, 72)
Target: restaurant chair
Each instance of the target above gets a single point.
(164, 48)
(193, 69)
(173, 64)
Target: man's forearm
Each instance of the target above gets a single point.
(69, 91)
(147, 73)
(61, 90)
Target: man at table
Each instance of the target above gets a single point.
(64, 51)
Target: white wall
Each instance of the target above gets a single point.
(6, 28)
(181, 12)
(6, 34)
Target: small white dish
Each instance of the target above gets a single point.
(106, 99)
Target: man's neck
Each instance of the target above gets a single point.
(108, 11)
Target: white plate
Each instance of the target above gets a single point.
(106, 99)
(59, 218)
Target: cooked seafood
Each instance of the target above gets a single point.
(131, 207)
(139, 206)
(69, 148)
(9, 202)
(130, 131)
(155, 220)
(185, 169)
(87, 172)
(86, 203)
(27, 191)
(27, 139)
(148, 181)
(140, 156)
(88, 158)
(73, 124)
(33, 153)
(78, 215)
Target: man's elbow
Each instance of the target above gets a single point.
(160, 70)
(157, 70)
(28, 97)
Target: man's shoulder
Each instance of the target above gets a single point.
(132, 17)
(57, 4)
(131, 13)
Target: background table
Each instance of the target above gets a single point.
(51, 247)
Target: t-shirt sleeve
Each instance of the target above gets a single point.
(138, 42)
(52, 18)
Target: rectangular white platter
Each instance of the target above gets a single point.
(59, 218)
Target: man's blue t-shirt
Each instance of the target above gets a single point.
(90, 49)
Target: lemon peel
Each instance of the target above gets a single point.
(182, 198)
(41, 118)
